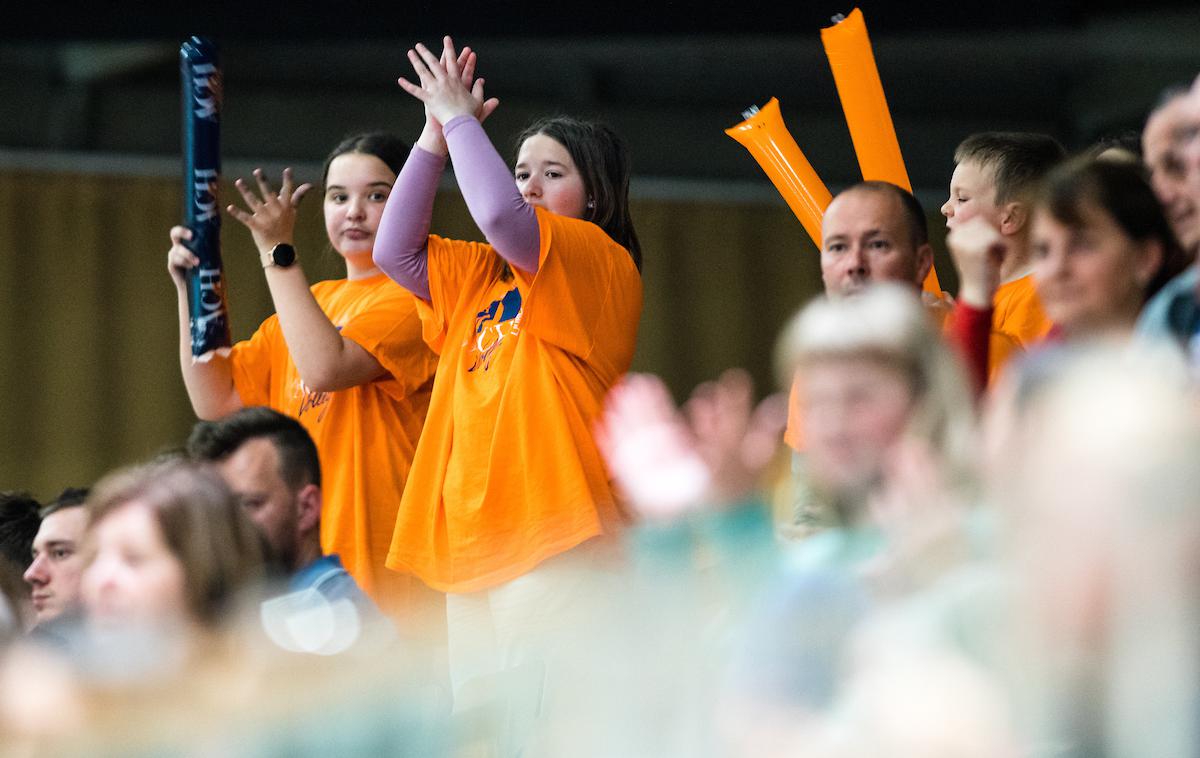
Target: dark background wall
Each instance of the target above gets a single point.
(89, 165)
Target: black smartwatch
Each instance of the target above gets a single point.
(282, 255)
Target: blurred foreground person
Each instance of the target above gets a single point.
(732, 646)
(170, 551)
(889, 479)
(172, 659)
(1095, 458)
(1103, 247)
(885, 405)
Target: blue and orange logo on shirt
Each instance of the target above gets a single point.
(502, 318)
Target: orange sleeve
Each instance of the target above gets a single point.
(250, 362)
(390, 330)
(585, 293)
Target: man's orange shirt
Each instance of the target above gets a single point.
(1019, 312)
(507, 473)
(366, 436)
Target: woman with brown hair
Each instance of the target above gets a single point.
(171, 547)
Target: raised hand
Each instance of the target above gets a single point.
(668, 463)
(447, 86)
(978, 250)
(650, 450)
(271, 217)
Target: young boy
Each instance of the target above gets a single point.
(994, 175)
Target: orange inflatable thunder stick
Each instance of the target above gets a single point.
(768, 140)
(867, 115)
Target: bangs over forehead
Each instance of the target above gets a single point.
(1016, 160)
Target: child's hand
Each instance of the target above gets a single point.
(271, 218)
(180, 258)
(978, 251)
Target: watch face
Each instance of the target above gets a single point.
(284, 255)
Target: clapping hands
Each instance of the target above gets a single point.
(448, 88)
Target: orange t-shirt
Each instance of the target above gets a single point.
(366, 435)
(1018, 312)
(507, 473)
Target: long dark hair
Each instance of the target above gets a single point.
(1121, 190)
(385, 146)
(603, 162)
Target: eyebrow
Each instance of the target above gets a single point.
(50, 545)
(867, 233)
(560, 164)
(372, 184)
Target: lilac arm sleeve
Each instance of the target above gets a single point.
(401, 242)
(506, 220)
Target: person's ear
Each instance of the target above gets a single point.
(308, 505)
(924, 263)
(1013, 217)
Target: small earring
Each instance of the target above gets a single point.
(591, 203)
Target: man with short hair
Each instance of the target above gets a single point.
(270, 461)
(995, 176)
(58, 560)
(873, 231)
